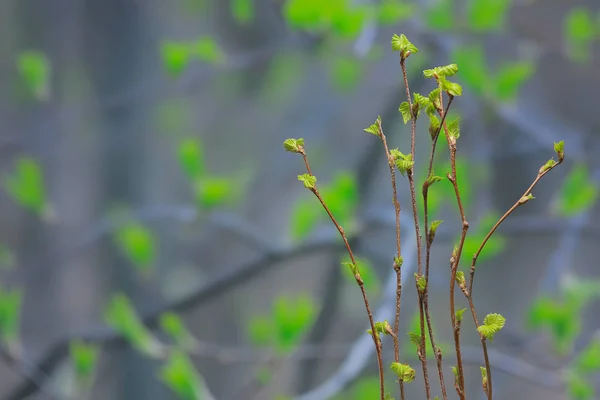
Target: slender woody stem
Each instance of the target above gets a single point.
(357, 277)
(429, 242)
(469, 293)
(455, 260)
(397, 267)
(411, 181)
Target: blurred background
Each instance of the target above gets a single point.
(155, 241)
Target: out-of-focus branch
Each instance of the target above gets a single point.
(219, 285)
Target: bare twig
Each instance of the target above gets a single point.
(469, 294)
(411, 181)
(357, 277)
(397, 267)
(429, 241)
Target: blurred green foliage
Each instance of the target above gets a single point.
(180, 375)
(122, 317)
(26, 185)
(34, 67)
(578, 192)
(10, 316)
(84, 360)
(137, 244)
(284, 326)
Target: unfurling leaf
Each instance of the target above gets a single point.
(374, 128)
(294, 145)
(309, 180)
(492, 323)
(403, 371)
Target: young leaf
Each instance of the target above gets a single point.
(242, 10)
(175, 57)
(180, 375)
(34, 68)
(367, 273)
(492, 323)
(403, 371)
(26, 185)
(212, 191)
(294, 145)
(173, 326)
(191, 158)
(443, 71)
(137, 244)
(84, 359)
(452, 88)
(374, 128)
(589, 359)
(122, 317)
(207, 50)
(460, 312)
(403, 45)
(405, 110)
(309, 181)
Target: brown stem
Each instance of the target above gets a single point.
(411, 181)
(429, 242)
(358, 279)
(397, 267)
(469, 293)
(455, 260)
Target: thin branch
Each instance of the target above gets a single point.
(455, 259)
(357, 277)
(397, 267)
(358, 357)
(429, 241)
(469, 294)
(411, 181)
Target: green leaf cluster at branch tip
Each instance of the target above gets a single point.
(374, 128)
(433, 228)
(492, 323)
(404, 162)
(398, 261)
(403, 45)
(403, 371)
(294, 145)
(381, 327)
(309, 181)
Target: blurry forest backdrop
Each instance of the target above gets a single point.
(155, 242)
